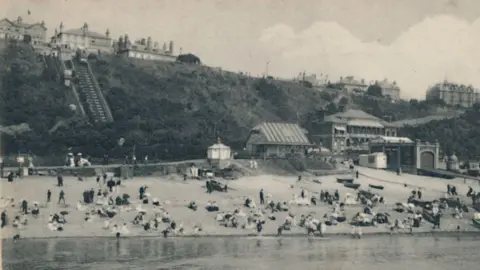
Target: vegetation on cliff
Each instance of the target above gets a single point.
(167, 110)
(176, 110)
(459, 135)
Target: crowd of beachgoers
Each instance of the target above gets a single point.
(46, 206)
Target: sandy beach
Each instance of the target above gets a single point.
(174, 194)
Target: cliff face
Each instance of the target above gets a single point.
(168, 110)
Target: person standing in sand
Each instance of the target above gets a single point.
(60, 180)
(262, 198)
(49, 196)
(61, 197)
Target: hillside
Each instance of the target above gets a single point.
(460, 135)
(168, 110)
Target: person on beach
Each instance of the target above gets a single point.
(419, 194)
(449, 189)
(10, 177)
(98, 180)
(4, 218)
(60, 180)
(302, 193)
(262, 198)
(105, 178)
(453, 191)
(25, 206)
(141, 192)
(61, 197)
(49, 196)
(356, 174)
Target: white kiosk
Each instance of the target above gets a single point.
(219, 155)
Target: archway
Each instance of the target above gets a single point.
(427, 160)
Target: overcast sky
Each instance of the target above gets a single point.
(415, 42)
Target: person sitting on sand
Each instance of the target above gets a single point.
(24, 219)
(166, 217)
(35, 210)
(192, 205)
(16, 222)
(458, 213)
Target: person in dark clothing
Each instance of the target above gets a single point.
(61, 197)
(470, 191)
(454, 191)
(104, 179)
(98, 179)
(357, 174)
(49, 196)
(419, 194)
(60, 180)
(336, 195)
(25, 206)
(10, 177)
(437, 221)
(449, 189)
(4, 219)
(141, 192)
(262, 198)
(299, 178)
(302, 193)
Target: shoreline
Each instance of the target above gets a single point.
(326, 236)
(174, 194)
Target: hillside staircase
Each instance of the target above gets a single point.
(56, 69)
(90, 93)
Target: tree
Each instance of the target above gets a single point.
(374, 90)
(188, 58)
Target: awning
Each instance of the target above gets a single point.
(341, 128)
(365, 123)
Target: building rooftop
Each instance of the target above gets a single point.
(280, 133)
(351, 80)
(386, 84)
(387, 139)
(81, 32)
(20, 24)
(351, 117)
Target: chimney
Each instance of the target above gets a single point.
(170, 47)
(149, 43)
(85, 28)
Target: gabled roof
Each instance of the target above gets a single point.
(80, 32)
(353, 114)
(22, 24)
(278, 133)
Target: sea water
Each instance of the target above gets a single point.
(380, 252)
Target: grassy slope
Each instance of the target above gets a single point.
(190, 101)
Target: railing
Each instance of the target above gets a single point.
(104, 103)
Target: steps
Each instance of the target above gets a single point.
(91, 95)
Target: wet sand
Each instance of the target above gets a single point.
(175, 194)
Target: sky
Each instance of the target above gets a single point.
(417, 43)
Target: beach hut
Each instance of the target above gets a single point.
(219, 155)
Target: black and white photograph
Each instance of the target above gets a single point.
(240, 134)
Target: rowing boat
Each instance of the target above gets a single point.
(351, 185)
(376, 186)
